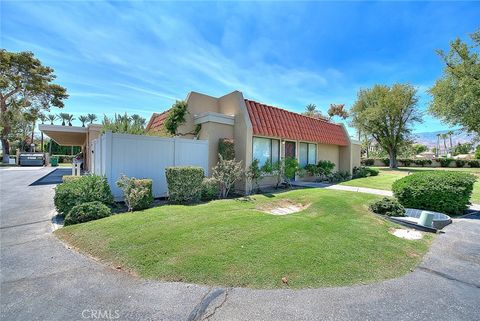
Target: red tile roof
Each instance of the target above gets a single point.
(276, 122)
(156, 121)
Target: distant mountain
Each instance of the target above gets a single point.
(430, 138)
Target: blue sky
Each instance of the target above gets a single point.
(139, 57)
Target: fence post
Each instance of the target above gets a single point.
(108, 155)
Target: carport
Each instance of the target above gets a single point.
(73, 136)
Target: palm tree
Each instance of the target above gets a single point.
(69, 118)
(450, 133)
(438, 145)
(63, 117)
(137, 119)
(83, 119)
(444, 137)
(92, 118)
(42, 118)
(52, 118)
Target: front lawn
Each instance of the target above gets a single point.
(335, 241)
(387, 176)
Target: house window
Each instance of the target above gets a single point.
(308, 154)
(266, 149)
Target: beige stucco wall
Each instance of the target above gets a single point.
(328, 152)
(234, 104)
(197, 104)
(212, 132)
(356, 153)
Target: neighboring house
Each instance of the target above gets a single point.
(263, 132)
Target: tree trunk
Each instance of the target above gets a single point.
(50, 148)
(393, 159)
(6, 150)
(41, 141)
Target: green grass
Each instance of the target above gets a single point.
(387, 176)
(335, 241)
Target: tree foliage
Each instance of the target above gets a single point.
(387, 114)
(176, 117)
(337, 110)
(312, 111)
(26, 87)
(456, 96)
(124, 124)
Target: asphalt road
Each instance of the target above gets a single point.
(41, 279)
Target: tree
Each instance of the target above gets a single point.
(52, 118)
(387, 114)
(456, 96)
(450, 133)
(24, 84)
(337, 110)
(437, 150)
(69, 118)
(42, 118)
(124, 124)
(63, 117)
(83, 119)
(312, 111)
(92, 118)
(462, 148)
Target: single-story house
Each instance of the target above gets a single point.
(262, 132)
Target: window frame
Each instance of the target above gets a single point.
(308, 153)
(270, 148)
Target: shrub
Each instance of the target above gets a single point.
(253, 174)
(184, 183)
(66, 178)
(137, 193)
(87, 212)
(227, 172)
(420, 162)
(474, 163)
(226, 148)
(210, 189)
(387, 206)
(460, 162)
(85, 189)
(339, 176)
(368, 162)
(325, 167)
(386, 161)
(444, 162)
(312, 169)
(442, 191)
(405, 161)
(363, 171)
(290, 167)
(477, 152)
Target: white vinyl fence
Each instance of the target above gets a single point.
(144, 157)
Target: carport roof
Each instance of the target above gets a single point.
(65, 135)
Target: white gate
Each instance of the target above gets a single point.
(144, 157)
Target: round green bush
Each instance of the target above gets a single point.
(87, 212)
(84, 189)
(441, 191)
(387, 206)
(359, 172)
(210, 189)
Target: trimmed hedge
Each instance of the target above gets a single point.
(440, 191)
(444, 162)
(460, 162)
(87, 212)
(184, 184)
(210, 189)
(368, 162)
(387, 206)
(474, 163)
(226, 148)
(84, 189)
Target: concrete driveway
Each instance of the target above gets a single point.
(41, 279)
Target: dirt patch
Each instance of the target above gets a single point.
(406, 234)
(283, 207)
